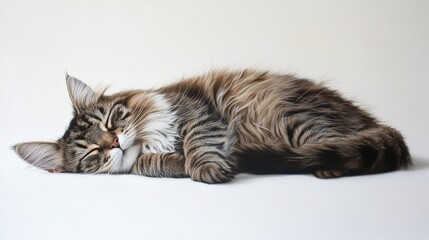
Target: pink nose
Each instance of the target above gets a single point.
(115, 143)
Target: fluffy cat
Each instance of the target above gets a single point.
(211, 127)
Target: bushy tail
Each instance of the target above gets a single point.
(374, 150)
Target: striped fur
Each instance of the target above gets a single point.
(211, 127)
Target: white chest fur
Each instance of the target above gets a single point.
(158, 134)
(161, 130)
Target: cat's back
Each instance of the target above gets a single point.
(249, 92)
(224, 87)
(259, 94)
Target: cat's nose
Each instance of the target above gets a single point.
(115, 143)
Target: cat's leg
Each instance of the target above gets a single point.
(170, 164)
(208, 154)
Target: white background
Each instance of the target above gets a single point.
(375, 52)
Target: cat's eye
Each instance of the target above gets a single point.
(91, 151)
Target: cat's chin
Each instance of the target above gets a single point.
(127, 159)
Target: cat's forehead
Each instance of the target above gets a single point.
(104, 105)
(99, 107)
(82, 128)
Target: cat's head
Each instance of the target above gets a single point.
(104, 135)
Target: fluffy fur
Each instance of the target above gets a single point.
(211, 127)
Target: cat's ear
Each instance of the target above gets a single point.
(44, 155)
(80, 94)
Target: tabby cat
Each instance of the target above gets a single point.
(211, 127)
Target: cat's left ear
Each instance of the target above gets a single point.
(44, 155)
(80, 94)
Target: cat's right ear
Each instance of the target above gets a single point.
(80, 94)
(44, 155)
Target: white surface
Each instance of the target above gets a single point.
(376, 52)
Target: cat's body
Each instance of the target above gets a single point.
(213, 126)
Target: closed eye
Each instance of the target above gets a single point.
(88, 153)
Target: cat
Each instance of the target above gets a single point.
(211, 127)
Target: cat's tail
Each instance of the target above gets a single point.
(375, 150)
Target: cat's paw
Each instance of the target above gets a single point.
(328, 174)
(212, 172)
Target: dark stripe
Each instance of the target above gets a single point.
(162, 133)
(306, 128)
(211, 153)
(102, 110)
(110, 112)
(216, 128)
(81, 145)
(200, 163)
(79, 166)
(79, 137)
(215, 145)
(193, 148)
(218, 146)
(290, 131)
(161, 164)
(208, 136)
(169, 154)
(137, 166)
(96, 117)
(126, 115)
(210, 119)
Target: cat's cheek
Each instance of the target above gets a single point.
(126, 140)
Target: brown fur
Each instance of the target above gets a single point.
(228, 122)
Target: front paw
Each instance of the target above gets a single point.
(212, 172)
